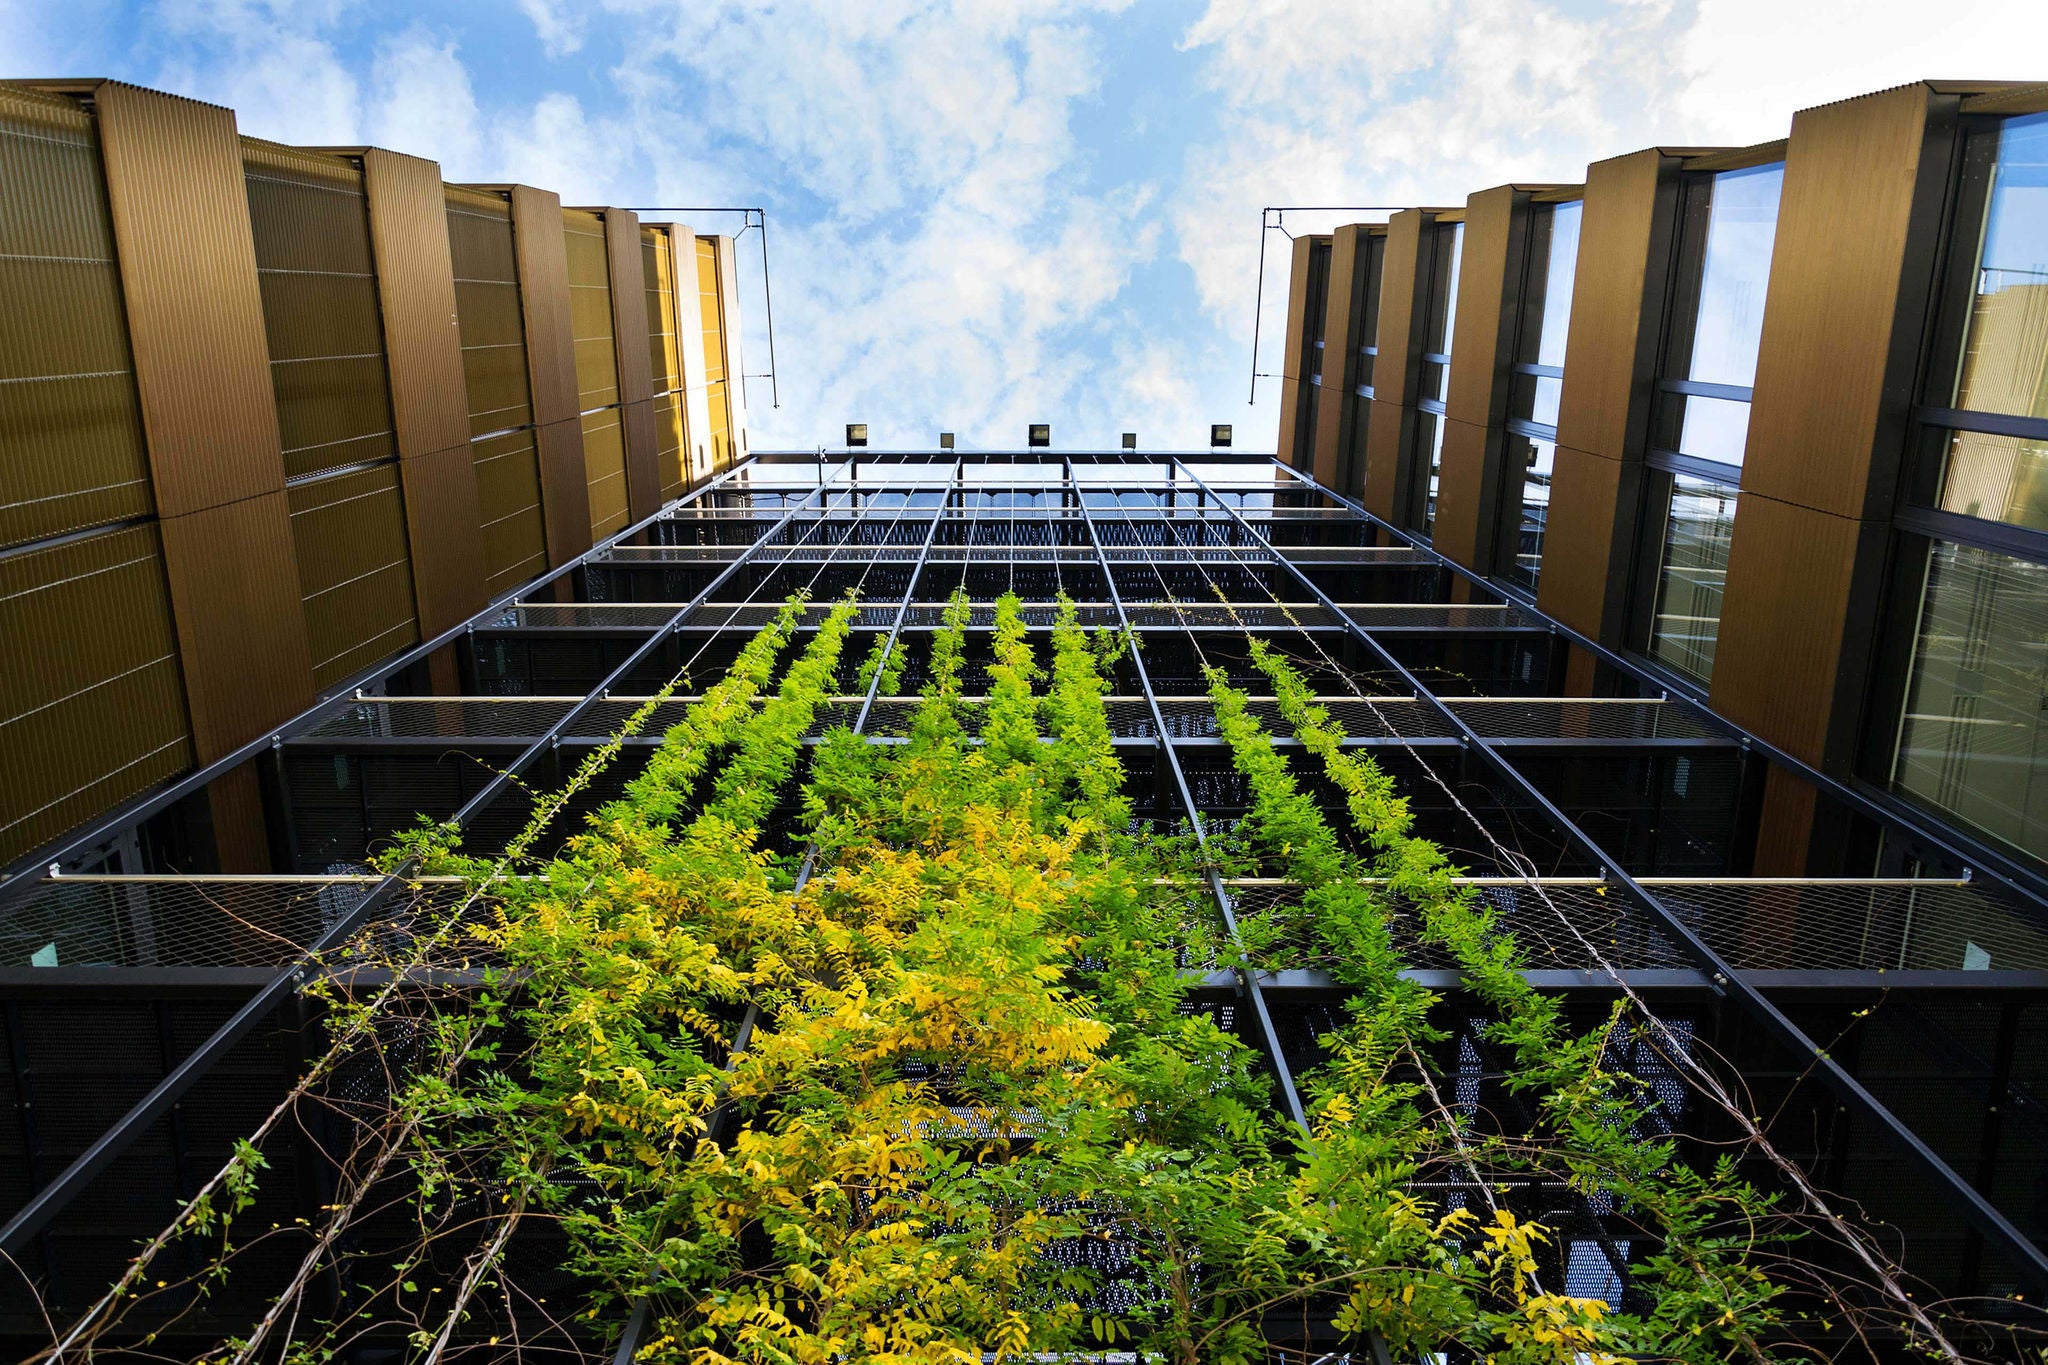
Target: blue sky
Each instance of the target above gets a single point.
(984, 213)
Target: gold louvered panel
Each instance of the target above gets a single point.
(73, 456)
(604, 464)
(508, 490)
(590, 310)
(312, 229)
(668, 444)
(92, 706)
(355, 579)
(487, 306)
(711, 311)
(657, 250)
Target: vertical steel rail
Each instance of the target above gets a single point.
(634, 1333)
(1248, 982)
(1722, 979)
(52, 1199)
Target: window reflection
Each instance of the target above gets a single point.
(1973, 741)
(1999, 478)
(1547, 308)
(1538, 459)
(2005, 353)
(1697, 532)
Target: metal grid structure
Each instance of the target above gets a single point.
(1612, 832)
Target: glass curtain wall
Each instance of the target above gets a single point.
(1372, 257)
(1447, 247)
(1314, 319)
(1538, 378)
(1971, 738)
(1701, 420)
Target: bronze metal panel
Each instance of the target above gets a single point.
(235, 593)
(1784, 834)
(92, 706)
(416, 288)
(1387, 427)
(515, 542)
(485, 261)
(1792, 643)
(1587, 541)
(604, 471)
(735, 361)
(1851, 280)
(544, 303)
(551, 360)
(355, 570)
(74, 455)
(1625, 244)
(564, 489)
(195, 311)
(635, 364)
(1468, 489)
(1334, 412)
(241, 835)
(444, 527)
(590, 309)
(1404, 305)
(1292, 362)
(1489, 283)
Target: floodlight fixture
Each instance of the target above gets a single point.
(1039, 434)
(945, 440)
(1130, 440)
(1219, 436)
(856, 435)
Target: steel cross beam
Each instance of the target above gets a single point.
(52, 1198)
(133, 811)
(2027, 1258)
(1248, 981)
(1879, 806)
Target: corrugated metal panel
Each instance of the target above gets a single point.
(73, 455)
(658, 269)
(604, 464)
(735, 366)
(486, 274)
(590, 310)
(241, 635)
(92, 709)
(416, 288)
(422, 334)
(503, 448)
(636, 382)
(508, 491)
(195, 310)
(311, 224)
(355, 577)
(551, 359)
(711, 315)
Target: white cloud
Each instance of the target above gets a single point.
(559, 25)
(420, 101)
(1742, 89)
(269, 62)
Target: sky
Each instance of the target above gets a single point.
(987, 213)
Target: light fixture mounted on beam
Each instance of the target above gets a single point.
(945, 440)
(856, 435)
(1130, 440)
(1039, 435)
(1219, 436)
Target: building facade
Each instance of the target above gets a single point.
(1770, 420)
(272, 415)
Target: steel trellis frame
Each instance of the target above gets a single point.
(51, 1200)
(1979, 1212)
(1247, 979)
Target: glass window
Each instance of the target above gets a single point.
(1694, 569)
(2005, 351)
(1973, 742)
(1537, 461)
(1731, 221)
(1439, 329)
(1532, 398)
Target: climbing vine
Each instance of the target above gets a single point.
(813, 1048)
